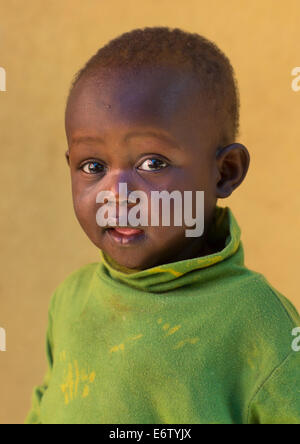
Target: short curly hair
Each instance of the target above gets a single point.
(164, 46)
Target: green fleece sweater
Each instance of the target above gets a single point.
(201, 341)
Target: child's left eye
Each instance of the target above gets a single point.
(153, 165)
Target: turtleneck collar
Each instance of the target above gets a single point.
(170, 276)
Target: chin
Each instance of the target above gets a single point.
(131, 263)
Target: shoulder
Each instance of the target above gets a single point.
(261, 317)
(249, 294)
(74, 289)
(268, 304)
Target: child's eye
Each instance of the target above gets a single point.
(92, 167)
(153, 165)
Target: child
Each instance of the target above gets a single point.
(166, 328)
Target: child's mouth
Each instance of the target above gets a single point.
(125, 235)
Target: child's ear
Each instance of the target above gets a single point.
(67, 157)
(232, 163)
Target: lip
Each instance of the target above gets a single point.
(125, 235)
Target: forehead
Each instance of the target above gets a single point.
(163, 98)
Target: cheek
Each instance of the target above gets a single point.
(84, 203)
(188, 204)
(202, 178)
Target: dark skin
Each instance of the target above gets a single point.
(185, 160)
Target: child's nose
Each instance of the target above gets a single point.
(119, 182)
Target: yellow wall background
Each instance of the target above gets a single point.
(42, 44)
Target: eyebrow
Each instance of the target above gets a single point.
(160, 136)
(85, 139)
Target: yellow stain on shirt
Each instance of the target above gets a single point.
(77, 376)
(84, 376)
(67, 387)
(121, 347)
(136, 337)
(179, 344)
(173, 330)
(117, 348)
(168, 327)
(166, 270)
(186, 341)
(62, 356)
(193, 340)
(250, 363)
(209, 260)
(236, 245)
(86, 391)
(70, 381)
(252, 356)
(74, 377)
(92, 377)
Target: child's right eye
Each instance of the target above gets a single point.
(92, 167)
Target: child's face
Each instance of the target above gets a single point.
(161, 101)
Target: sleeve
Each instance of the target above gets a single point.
(33, 416)
(278, 400)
